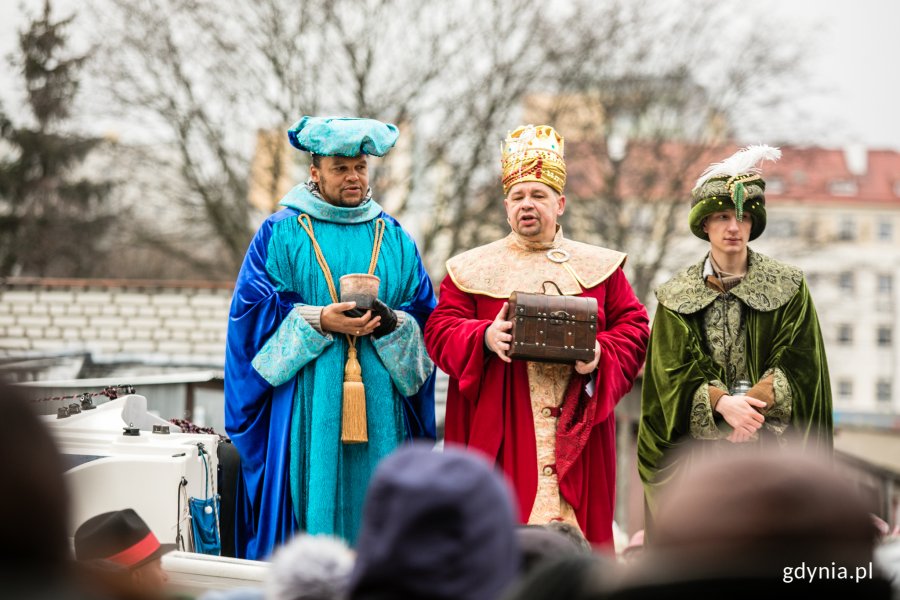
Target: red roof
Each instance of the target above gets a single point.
(806, 174)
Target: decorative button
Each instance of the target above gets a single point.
(549, 470)
(546, 411)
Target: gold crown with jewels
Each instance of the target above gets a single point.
(533, 154)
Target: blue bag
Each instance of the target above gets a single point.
(205, 517)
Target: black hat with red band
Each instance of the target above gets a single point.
(120, 537)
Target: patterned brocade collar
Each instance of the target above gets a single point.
(517, 264)
(302, 199)
(768, 285)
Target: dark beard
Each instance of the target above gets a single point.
(343, 203)
(316, 190)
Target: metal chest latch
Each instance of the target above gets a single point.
(559, 317)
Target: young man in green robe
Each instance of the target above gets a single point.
(736, 355)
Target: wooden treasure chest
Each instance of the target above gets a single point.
(559, 329)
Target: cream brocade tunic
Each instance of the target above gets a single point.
(547, 383)
(515, 264)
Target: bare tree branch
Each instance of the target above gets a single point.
(624, 81)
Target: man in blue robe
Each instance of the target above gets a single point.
(288, 342)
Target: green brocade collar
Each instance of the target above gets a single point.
(305, 201)
(768, 285)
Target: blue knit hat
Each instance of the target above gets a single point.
(436, 525)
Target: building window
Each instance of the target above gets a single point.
(845, 281)
(843, 187)
(885, 284)
(884, 336)
(845, 389)
(845, 334)
(847, 229)
(883, 391)
(885, 231)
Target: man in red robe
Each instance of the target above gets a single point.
(549, 426)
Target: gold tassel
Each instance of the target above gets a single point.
(353, 418)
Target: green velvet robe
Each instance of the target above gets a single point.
(782, 330)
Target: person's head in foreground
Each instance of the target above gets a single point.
(310, 567)
(118, 551)
(34, 505)
(748, 520)
(436, 525)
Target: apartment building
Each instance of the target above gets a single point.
(836, 214)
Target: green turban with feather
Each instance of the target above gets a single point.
(735, 183)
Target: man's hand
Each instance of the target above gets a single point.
(585, 368)
(333, 319)
(740, 412)
(496, 337)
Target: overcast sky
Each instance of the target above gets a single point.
(856, 61)
(855, 91)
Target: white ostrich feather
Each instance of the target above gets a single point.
(745, 160)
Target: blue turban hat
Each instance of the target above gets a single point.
(342, 136)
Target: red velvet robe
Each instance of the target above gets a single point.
(489, 406)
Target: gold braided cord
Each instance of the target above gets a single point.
(376, 246)
(306, 224)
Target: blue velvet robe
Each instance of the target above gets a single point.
(283, 379)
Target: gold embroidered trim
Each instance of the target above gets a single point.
(768, 285)
(505, 266)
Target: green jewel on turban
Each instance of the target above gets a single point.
(733, 184)
(342, 136)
